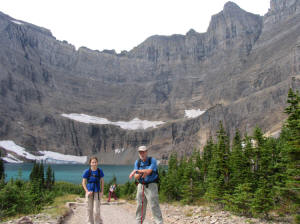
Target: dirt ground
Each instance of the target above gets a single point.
(119, 212)
(123, 212)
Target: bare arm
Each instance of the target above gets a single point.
(84, 185)
(132, 174)
(102, 186)
(84, 181)
(142, 173)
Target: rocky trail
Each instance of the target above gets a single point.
(123, 212)
(113, 213)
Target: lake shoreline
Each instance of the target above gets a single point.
(68, 172)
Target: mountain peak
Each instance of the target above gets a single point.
(191, 32)
(6, 19)
(231, 5)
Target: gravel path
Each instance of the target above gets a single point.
(123, 212)
(112, 213)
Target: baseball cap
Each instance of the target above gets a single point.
(142, 148)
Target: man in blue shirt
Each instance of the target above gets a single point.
(92, 178)
(145, 171)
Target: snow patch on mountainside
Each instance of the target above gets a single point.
(134, 124)
(46, 156)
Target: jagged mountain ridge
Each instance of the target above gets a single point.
(239, 70)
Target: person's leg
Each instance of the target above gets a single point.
(141, 202)
(152, 197)
(98, 219)
(115, 196)
(109, 196)
(90, 208)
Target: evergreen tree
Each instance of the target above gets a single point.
(218, 170)
(34, 172)
(53, 178)
(223, 150)
(36, 192)
(280, 167)
(187, 193)
(259, 141)
(207, 156)
(241, 200)
(191, 187)
(198, 161)
(293, 121)
(180, 174)
(239, 164)
(169, 184)
(41, 174)
(128, 190)
(292, 150)
(264, 176)
(2, 170)
(249, 156)
(199, 174)
(266, 156)
(262, 201)
(49, 177)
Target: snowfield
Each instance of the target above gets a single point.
(46, 156)
(134, 124)
(193, 113)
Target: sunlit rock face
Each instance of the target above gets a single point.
(238, 72)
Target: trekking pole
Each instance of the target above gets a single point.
(142, 203)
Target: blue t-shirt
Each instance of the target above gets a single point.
(93, 182)
(145, 166)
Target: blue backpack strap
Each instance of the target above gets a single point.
(139, 162)
(99, 173)
(89, 174)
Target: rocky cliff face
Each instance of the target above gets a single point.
(239, 71)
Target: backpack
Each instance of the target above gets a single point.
(90, 173)
(157, 180)
(98, 175)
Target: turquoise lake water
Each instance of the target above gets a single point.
(69, 172)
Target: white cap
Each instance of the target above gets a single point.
(142, 148)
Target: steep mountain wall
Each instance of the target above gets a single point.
(239, 71)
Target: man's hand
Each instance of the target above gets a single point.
(137, 175)
(101, 194)
(132, 174)
(144, 175)
(89, 193)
